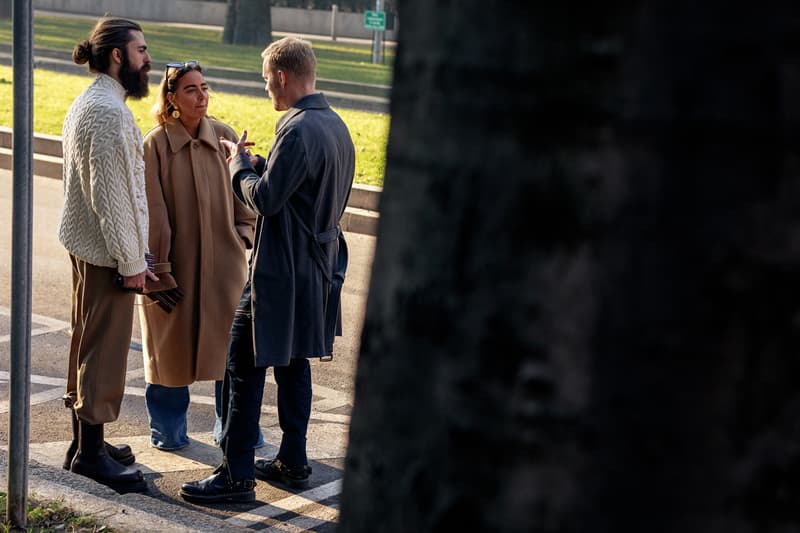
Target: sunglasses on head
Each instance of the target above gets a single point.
(180, 66)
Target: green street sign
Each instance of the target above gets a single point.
(375, 20)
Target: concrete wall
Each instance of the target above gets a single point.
(284, 19)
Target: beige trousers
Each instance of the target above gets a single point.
(102, 323)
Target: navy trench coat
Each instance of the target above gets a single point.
(299, 256)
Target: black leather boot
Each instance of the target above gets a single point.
(121, 453)
(92, 460)
(219, 488)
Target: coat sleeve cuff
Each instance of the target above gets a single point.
(239, 163)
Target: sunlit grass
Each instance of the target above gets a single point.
(54, 92)
(336, 60)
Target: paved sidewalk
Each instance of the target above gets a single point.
(162, 509)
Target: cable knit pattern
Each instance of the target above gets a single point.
(104, 219)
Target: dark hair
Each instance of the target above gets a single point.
(108, 33)
(163, 108)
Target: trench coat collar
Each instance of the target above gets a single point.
(178, 136)
(311, 101)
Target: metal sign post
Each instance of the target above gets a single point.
(376, 21)
(22, 236)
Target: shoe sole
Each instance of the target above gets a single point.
(235, 497)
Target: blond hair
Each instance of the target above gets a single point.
(293, 55)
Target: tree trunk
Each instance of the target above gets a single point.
(248, 22)
(584, 307)
(5, 9)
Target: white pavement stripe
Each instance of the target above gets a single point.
(325, 443)
(39, 380)
(204, 454)
(303, 524)
(328, 404)
(39, 397)
(134, 391)
(54, 323)
(330, 394)
(270, 410)
(34, 333)
(291, 504)
(330, 417)
(136, 373)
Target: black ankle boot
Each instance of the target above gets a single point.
(92, 460)
(121, 453)
(219, 488)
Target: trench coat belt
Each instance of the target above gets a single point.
(333, 325)
(160, 268)
(335, 278)
(317, 252)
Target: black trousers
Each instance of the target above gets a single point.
(242, 394)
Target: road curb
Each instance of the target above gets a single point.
(361, 214)
(128, 512)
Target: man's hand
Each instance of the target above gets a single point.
(236, 148)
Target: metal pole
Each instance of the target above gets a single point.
(22, 236)
(377, 37)
(334, 9)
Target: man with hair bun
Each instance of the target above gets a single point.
(103, 226)
(290, 307)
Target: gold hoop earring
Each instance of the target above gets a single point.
(176, 114)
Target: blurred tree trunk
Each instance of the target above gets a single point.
(248, 22)
(584, 313)
(5, 9)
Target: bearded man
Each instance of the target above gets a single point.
(103, 226)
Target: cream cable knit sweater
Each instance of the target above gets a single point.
(104, 219)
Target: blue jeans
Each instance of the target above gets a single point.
(166, 409)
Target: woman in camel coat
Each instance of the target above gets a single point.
(199, 233)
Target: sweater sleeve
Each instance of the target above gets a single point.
(117, 193)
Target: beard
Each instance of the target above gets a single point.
(135, 82)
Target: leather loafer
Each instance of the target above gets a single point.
(218, 488)
(276, 470)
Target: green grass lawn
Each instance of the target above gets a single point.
(336, 60)
(54, 92)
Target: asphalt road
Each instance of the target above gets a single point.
(275, 509)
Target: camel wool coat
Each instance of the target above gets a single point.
(198, 226)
